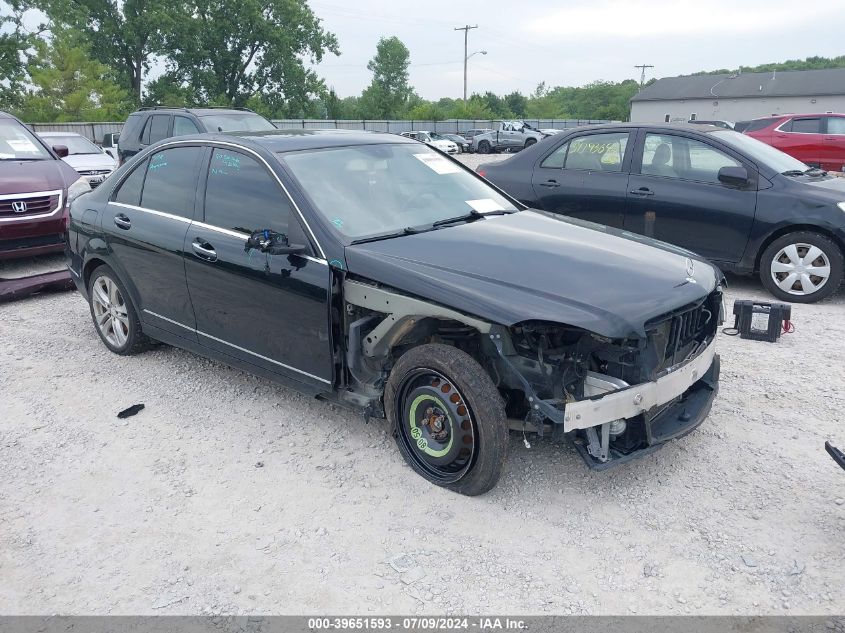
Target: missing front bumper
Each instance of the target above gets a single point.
(662, 424)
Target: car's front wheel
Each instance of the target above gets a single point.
(114, 314)
(801, 267)
(447, 418)
(484, 147)
(529, 142)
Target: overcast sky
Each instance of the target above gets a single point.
(572, 42)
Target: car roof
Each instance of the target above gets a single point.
(675, 125)
(792, 115)
(196, 111)
(299, 139)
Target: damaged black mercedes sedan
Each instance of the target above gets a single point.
(375, 272)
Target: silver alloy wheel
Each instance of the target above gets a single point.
(800, 269)
(110, 311)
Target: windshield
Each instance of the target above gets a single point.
(367, 190)
(18, 143)
(236, 122)
(761, 153)
(75, 144)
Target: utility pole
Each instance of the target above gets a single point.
(642, 76)
(466, 30)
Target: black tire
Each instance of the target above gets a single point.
(484, 147)
(529, 142)
(776, 256)
(131, 340)
(428, 437)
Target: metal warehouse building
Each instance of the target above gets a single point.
(740, 97)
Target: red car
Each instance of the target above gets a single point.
(36, 189)
(815, 139)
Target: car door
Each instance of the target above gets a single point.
(586, 176)
(833, 153)
(675, 195)
(271, 311)
(802, 138)
(145, 223)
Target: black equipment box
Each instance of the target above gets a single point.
(761, 321)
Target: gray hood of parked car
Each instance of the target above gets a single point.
(532, 265)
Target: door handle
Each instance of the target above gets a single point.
(551, 182)
(642, 191)
(204, 250)
(122, 222)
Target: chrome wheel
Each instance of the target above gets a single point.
(110, 312)
(800, 269)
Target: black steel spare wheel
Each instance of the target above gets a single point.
(452, 431)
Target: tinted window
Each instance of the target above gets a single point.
(158, 127)
(129, 191)
(241, 195)
(758, 124)
(169, 185)
(16, 141)
(806, 126)
(680, 157)
(183, 125)
(556, 159)
(236, 122)
(597, 152)
(836, 125)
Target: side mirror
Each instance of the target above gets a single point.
(273, 243)
(61, 150)
(290, 249)
(736, 176)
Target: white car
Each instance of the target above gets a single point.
(434, 140)
(93, 163)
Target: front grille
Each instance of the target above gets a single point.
(675, 334)
(34, 206)
(95, 176)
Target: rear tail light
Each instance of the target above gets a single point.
(481, 172)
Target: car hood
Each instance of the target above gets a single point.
(87, 162)
(27, 176)
(532, 265)
(441, 143)
(830, 188)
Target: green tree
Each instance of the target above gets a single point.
(16, 47)
(125, 35)
(228, 52)
(67, 85)
(516, 103)
(389, 93)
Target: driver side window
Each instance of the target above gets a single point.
(241, 195)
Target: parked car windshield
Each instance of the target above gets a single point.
(369, 190)
(18, 143)
(236, 122)
(75, 144)
(761, 153)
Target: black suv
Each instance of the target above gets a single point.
(153, 124)
(372, 271)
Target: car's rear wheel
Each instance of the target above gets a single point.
(529, 142)
(114, 314)
(484, 147)
(801, 267)
(447, 418)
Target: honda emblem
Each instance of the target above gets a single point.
(19, 206)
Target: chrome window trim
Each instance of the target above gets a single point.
(32, 194)
(212, 144)
(162, 214)
(238, 347)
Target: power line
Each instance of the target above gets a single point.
(466, 29)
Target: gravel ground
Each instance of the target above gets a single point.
(230, 494)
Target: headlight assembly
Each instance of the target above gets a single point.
(77, 189)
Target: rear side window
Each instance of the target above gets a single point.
(759, 124)
(129, 191)
(556, 159)
(156, 128)
(241, 195)
(806, 126)
(169, 185)
(132, 130)
(597, 152)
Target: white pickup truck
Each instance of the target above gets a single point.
(507, 135)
